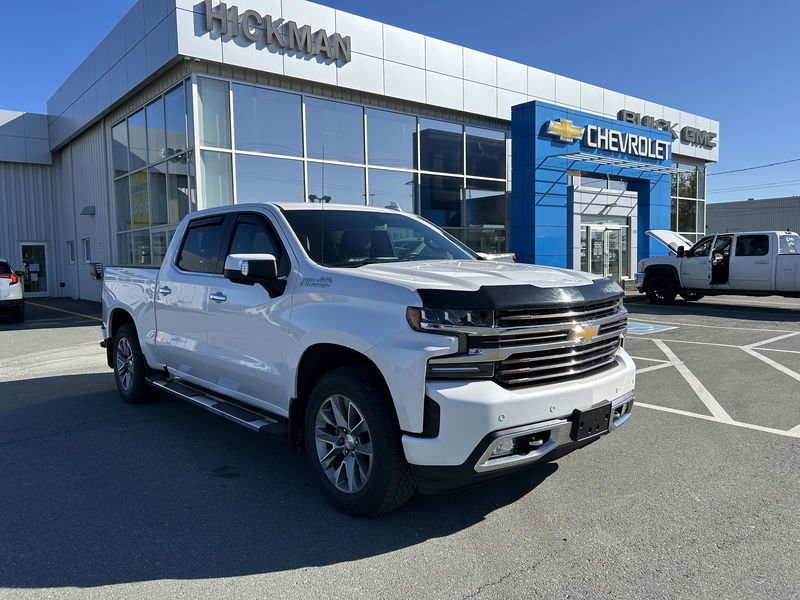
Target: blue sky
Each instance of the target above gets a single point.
(732, 61)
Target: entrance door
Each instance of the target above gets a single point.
(607, 252)
(34, 263)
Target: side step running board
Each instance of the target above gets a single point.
(257, 421)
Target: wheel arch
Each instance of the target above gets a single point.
(316, 361)
(669, 270)
(117, 318)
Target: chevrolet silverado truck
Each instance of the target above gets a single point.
(753, 263)
(389, 352)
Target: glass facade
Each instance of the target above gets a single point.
(154, 176)
(258, 144)
(688, 211)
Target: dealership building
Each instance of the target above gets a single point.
(188, 105)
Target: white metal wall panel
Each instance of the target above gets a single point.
(26, 209)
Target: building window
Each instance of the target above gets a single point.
(86, 244)
(71, 251)
(316, 149)
(688, 207)
(154, 175)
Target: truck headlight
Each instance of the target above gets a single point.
(446, 320)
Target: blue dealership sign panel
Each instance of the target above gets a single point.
(541, 199)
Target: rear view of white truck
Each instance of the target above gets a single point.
(392, 354)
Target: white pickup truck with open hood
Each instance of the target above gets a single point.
(396, 356)
(753, 263)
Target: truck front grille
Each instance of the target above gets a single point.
(533, 346)
(529, 368)
(525, 317)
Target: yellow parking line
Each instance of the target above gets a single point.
(64, 310)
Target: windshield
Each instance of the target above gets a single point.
(351, 238)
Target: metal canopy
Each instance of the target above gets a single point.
(621, 163)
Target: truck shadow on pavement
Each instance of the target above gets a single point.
(97, 492)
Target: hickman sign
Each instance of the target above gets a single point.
(253, 27)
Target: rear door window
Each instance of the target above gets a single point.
(201, 244)
(4, 268)
(752, 245)
(790, 244)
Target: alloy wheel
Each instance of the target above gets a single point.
(343, 443)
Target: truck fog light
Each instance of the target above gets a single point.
(503, 448)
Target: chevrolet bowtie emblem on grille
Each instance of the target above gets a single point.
(564, 130)
(584, 333)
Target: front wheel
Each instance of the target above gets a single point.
(352, 442)
(692, 296)
(660, 289)
(130, 367)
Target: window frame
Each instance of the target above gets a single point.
(86, 247)
(284, 261)
(206, 221)
(71, 257)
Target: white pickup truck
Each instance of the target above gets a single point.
(753, 263)
(390, 352)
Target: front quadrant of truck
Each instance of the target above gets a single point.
(392, 354)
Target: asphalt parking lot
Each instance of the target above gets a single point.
(696, 497)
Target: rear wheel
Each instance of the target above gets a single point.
(692, 296)
(130, 367)
(353, 445)
(660, 289)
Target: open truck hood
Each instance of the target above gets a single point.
(670, 239)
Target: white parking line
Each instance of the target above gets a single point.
(659, 360)
(716, 344)
(770, 340)
(705, 396)
(793, 433)
(772, 363)
(655, 367)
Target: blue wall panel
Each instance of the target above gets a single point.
(541, 203)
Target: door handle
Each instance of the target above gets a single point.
(762, 262)
(164, 290)
(217, 297)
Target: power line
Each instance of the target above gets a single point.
(783, 162)
(755, 186)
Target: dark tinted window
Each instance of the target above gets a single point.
(486, 153)
(4, 268)
(441, 146)
(253, 235)
(752, 245)
(201, 246)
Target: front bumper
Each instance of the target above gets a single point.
(546, 441)
(474, 414)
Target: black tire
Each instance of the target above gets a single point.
(660, 289)
(130, 367)
(691, 296)
(19, 314)
(385, 483)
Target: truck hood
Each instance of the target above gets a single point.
(480, 284)
(670, 239)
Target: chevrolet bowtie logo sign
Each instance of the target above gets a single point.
(564, 130)
(584, 333)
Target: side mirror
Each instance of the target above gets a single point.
(250, 268)
(19, 273)
(681, 252)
